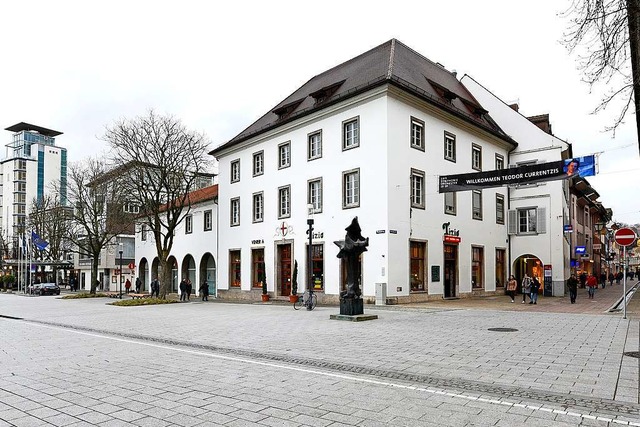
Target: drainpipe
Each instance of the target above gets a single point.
(215, 201)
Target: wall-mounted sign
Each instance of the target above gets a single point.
(380, 231)
(568, 228)
(257, 242)
(393, 231)
(597, 246)
(451, 239)
(435, 273)
(581, 250)
(318, 235)
(283, 230)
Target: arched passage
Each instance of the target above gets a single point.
(155, 266)
(208, 272)
(189, 270)
(530, 264)
(143, 274)
(174, 273)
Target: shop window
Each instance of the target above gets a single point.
(234, 269)
(501, 269)
(258, 267)
(417, 253)
(317, 267)
(477, 267)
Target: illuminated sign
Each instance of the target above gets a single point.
(581, 250)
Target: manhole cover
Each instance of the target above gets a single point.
(503, 330)
(635, 354)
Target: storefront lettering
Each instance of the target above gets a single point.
(257, 242)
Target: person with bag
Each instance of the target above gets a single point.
(526, 287)
(512, 284)
(535, 288)
(572, 284)
(592, 284)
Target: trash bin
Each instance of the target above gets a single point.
(381, 293)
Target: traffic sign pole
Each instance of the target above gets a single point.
(624, 237)
(624, 283)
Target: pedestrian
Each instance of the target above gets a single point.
(583, 279)
(592, 284)
(512, 284)
(619, 277)
(526, 287)
(183, 290)
(138, 285)
(603, 279)
(204, 291)
(127, 285)
(638, 273)
(155, 288)
(535, 288)
(611, 277)
(189, 289)
(572, 284)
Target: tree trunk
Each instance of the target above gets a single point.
(94, 272)
(165, 278)
(633, 20)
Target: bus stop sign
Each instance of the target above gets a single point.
(625, 236)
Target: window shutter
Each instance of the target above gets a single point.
(542, 220)
(512, 222)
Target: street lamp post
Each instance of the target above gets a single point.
(120, 251)
(309, 254)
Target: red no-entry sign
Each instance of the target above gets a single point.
(625, 236)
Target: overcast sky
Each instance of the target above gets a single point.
(76, 66)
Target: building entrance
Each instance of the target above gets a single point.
(450, 275)
(284, 269)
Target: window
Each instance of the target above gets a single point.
(314, 145)
(258, 267)
(258, 207)
(188, 224)
(234, 268)
(450, 203)
(499, 162)
(476, 202)
(131, 208)
(527, 220)
(143, 232)
(235, 171)
(235, 211)
(350, 134)
(351, 189)
(417, 189)
(208, 220)
(449, 146)
(477, 267)
(499, 209)
(314, 196)
(476, 157)
(258, 163)
(501, 270)
(284, 155)
(417, 252)
(417, 134)
(284, 202)
(317, 267)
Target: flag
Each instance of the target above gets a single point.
(38, 241)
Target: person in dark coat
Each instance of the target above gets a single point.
(619, 277)
(572, 284)
(138, 285)
(611, 277)
(583, 280)
(183, 290)
(603, 279)
(535, 288)
(189, 289)
(155, 288)
(204, 291)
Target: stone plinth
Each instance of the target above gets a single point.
(357, 318)
(351, 306)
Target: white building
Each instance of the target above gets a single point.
(537, 212)
(194, 251)
(367, 138)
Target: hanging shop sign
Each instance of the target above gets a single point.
(580, 250)
(451, 235)
(524, 174)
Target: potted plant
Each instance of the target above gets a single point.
(265, 295)
(294, 284)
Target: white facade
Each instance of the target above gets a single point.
(109, 271)
(194, 251)
(385, 161)
(548, 243)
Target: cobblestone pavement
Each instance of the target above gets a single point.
(84, 362)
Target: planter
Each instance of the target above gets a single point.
(293, 298)
(265, 297)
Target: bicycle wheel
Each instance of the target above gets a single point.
(313, 302)
(298, 304)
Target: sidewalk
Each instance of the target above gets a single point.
(603, 301)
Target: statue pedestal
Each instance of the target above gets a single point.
(351, 306)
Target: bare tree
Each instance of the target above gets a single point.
(49, 219)
(160, 162)
(98, 215)
(609, 31)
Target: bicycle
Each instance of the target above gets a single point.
(310, 301)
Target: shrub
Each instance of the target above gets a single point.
(142, 301)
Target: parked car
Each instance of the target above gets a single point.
(47, 289)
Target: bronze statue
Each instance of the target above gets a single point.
(350, 249)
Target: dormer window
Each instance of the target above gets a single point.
(285, 110)
(326, 92)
